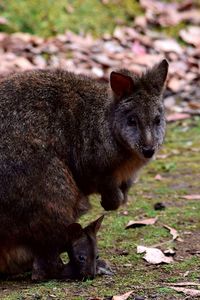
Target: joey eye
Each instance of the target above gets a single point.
(131, 121)
(97, 257)
(157, 121)
(82, 258)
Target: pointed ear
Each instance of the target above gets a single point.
(160, 73)
(93, 227)
(121, 84)
(75, 231)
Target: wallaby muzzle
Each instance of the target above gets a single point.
(148, 152)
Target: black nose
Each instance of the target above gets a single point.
(148, 152)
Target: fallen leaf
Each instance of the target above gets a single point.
(3, 21)
(139, 223)
(194, 104)
(154, 256)
(177, 117)
(168, 45)
(158, 177)
(169, 252)
(185, 283)
(175, 84)
(186, 274)
(188, 292)
(192, 197)
(122, 297)
(191, 35)
(173, 232)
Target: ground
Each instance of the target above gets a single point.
(178, 165)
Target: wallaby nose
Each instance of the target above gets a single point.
(148, 152)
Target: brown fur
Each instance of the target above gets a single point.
(128, 169)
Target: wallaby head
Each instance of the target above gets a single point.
(83, 251)
(139, 121)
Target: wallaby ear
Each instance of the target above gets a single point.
(93, 227)
(75, 231)
(121, 84)
(160, 73)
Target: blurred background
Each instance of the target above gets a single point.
(97, 36)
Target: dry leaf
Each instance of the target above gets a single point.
(154, 256)
(139, 223)
(192, 197)
(168, 45)
(188, 292)
(175, 84)
(169, 252)
(191, 35)
(194, 104)
(158, 177)
(186, 274)
(3, 21)
(173, 232)
(177, 117)
(122, 297)
(185, 283)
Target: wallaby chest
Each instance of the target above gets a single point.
(128, 168)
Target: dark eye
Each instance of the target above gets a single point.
(157, 121)
(97, 257)
(81, 258)
(132, 121)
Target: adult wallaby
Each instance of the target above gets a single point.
(64, 136)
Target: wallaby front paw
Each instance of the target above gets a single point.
(125, 186)
(103, 268)
(112, 201)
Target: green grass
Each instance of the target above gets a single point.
(49, 17)
(131, 271)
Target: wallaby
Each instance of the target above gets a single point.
(80, 244)
(65, 136)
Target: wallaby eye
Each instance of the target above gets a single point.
(97, 257)
(132, 121)
(82, 258)
(157, 121)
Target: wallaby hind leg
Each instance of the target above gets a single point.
(48, 267)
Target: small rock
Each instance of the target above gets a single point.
(159, 206)
(139, 298)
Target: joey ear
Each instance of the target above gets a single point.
(93, 227)
(75, 231)
(121, 84)
(160, 73)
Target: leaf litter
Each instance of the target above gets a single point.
(154, 255)
(139, 223)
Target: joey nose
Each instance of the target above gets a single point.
(148, 152)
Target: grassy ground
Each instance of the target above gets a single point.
(48, 17)
(178, 164)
